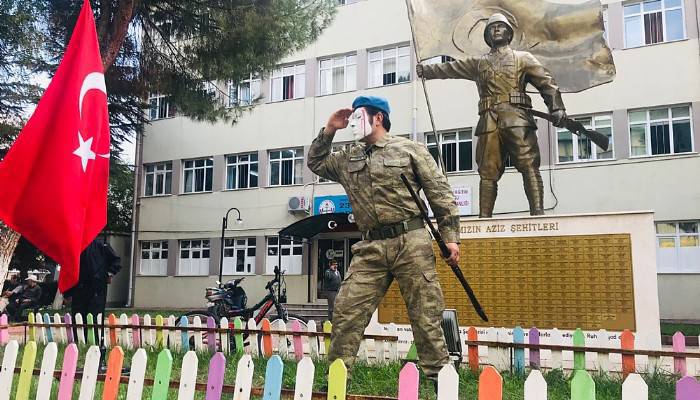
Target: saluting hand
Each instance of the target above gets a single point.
(338, 120)
(454, 254)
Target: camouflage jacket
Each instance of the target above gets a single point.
(499, 74)
(371, 178)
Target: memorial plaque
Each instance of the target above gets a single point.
(567, 282)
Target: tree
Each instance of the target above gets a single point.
(176, 48)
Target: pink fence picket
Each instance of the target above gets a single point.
(4, 331)
(298, 344)
(70, 362)
(68, 320)
(408, 382)
(136, 332)
(211, 334)
(215, 381)
(679, 366)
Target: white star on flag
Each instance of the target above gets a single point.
(84, 151)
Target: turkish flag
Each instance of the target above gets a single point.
(53, 181)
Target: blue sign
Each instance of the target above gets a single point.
(332, 204)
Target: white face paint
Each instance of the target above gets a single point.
(361, 124)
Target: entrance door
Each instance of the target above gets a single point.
(329, 249)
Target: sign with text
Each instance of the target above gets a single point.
(332, 204)
(463, 197)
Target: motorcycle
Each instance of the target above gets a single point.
(230, 300)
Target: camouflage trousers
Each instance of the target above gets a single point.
(409, 259)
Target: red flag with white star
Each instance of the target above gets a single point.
(53, 181)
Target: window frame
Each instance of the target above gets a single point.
(162, 270)
(252, 79)
(190, 248)
(167, 170)
(293, 260)
(194, 168)
(397, 57)
(170, 111)
(239, 163)
(234, 250)
(332, 67)
(278, 74)
(594, 148)
(641, 15)
(456, 142)
(647, 129)
(280, 160)
(677, 237)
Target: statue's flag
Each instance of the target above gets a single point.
(569, 39)
(53, 181)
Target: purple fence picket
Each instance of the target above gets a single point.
(4, 331)
(215, 381)
(687, 389)
(68, 320)
(408, 382)
(211, 334)
(679, 366)
(136, 332)
(534, 338)
(70, 362)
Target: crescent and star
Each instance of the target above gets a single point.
(93, 81)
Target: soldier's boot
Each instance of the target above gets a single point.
(534, 190)
(488, 190)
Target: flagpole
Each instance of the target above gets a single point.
(438, 142)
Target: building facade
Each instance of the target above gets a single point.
(191, 173)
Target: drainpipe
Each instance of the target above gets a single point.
(135, 217)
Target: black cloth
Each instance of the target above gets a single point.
(9, 286)
(97, 262)
(331, 280)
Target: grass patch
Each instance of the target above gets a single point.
(686, 329)
(375, 380)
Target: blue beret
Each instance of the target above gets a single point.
(377, 102)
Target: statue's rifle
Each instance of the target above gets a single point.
(577, 128)
(445, 251)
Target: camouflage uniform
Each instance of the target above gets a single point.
(371, 178)
(504, 127)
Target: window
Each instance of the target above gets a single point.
(194, 257)
(605, 24)
(239, 256)
(344, 2)
(574, 148)
(653, 21)
(242, 171)
(198, 175)
(288, 82)
(678, 246)
(245, 92)
(389, 66)
(291, 251)
(438, 60)
(159, 107)
(154, 258)
(660, 131)
(338, 74)
(158, 179)
(334, 149)
(456, 150)
(286, 167)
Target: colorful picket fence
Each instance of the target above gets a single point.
(490, 385)
(199, 335)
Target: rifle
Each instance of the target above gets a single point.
(577, 128)
(445, 251)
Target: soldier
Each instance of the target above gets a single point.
(395, 242)
(505, 127)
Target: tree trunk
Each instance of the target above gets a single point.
(8, 242)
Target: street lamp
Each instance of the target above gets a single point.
(224, 225)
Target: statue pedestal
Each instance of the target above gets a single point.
(589, 271)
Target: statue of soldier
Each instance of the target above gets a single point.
(395, 243)
(505, 127)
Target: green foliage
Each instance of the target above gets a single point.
(120, 196)
(686, 329)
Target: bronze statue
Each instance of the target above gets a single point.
(506, 127)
